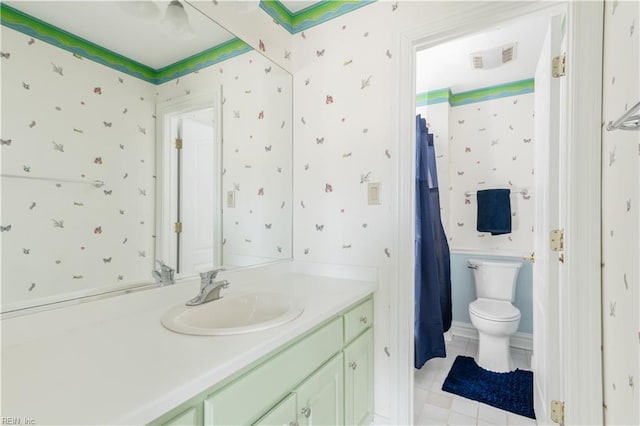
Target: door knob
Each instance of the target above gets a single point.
(353, 365)
(306, 411)
(364, 319)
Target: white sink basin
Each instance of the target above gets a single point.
(234, 314)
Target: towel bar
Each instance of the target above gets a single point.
(96, 183)
(523, 191)
(627, 121)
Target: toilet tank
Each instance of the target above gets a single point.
(495, 279)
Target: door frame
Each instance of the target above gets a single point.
(580, 299)
(166, 170)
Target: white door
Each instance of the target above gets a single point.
(197, 192)
(546, 359)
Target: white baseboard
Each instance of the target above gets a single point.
(518, 340)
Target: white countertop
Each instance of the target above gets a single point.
(112, 362)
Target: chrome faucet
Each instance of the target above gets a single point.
(165, 275)
(209, 289)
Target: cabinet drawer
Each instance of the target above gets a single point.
(358, 319)
(244, 400)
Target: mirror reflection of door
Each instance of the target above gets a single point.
(189, 164)
(195, 185)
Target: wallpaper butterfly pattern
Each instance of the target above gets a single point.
(70, 118)
(482, 145)
(98, 124)
(620, 217)
(257, 113)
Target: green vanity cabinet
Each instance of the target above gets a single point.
(321, 396)
(322, 377)
(247, 398)
(316, 401)
(358, 380)
(190, 416)
(285, 413)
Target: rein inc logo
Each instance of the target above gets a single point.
(17, 421)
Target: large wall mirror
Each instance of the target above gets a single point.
(134, 132)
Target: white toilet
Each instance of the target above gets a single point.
(492, 313)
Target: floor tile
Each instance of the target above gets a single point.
(419, 399)
(492, 414)
(514, 419)
(424, 380)
(465, 406)
(433, 406)
(428, 421)
(472, 349)
(457, 346)
(439, 400)
(436, 413)
(457, 419)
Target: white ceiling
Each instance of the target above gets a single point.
(449, 64)
(113, 26)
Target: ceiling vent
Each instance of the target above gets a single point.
(493, 58)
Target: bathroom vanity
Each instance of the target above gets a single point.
(322, 377)
(111, 361)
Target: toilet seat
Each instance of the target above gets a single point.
(494, 310)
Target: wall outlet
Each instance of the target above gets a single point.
(373, 192)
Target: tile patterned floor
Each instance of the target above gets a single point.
(433, 406)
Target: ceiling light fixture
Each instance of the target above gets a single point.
(176, 21)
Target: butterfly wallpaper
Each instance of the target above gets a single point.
(483, 145)
(69, 118)
(257, 121)
(620, 216)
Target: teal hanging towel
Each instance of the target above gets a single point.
(494, 211)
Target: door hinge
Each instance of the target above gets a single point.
(558, 66)
(557, 411)
(177, 227)
(178, 143)
(557, 240)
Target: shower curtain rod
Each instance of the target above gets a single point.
(627, 121)
(523, 191)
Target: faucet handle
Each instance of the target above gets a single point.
(210, 275)
(164, 267)
(165, 275)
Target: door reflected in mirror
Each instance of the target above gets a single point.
(92, 185)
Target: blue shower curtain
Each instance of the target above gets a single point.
(433, 270)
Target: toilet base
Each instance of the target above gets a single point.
(494, 353)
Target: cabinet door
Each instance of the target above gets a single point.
(284, 414)
(321, 396)
(358, 380)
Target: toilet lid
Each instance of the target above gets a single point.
(494, 310)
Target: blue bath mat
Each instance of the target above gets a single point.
(511, 391)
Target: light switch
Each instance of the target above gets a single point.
(231, 199)
(373, 192)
